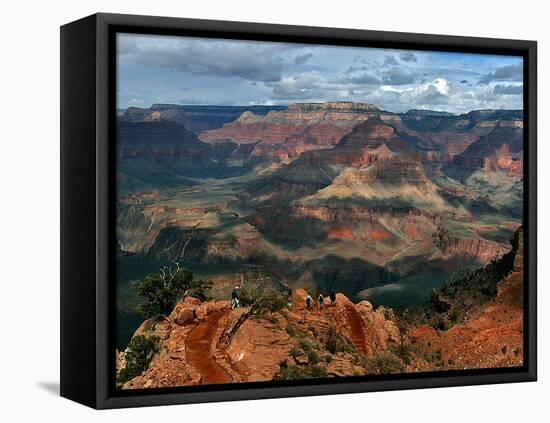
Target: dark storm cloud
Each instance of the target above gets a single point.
(408, 57)
(396, 76)
(504, 73)
(464, 81)
(508, 89)
(300, 60)
(211, 58)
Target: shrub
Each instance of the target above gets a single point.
(306, 345)
(291, 330)
(262, 301)
(296, 352)
(162, 290)
(290, 373)
(313, 330)
(346, 346)
(313, 357)
(317, 371)
(328, 358)
(139, 353)
(296, 372)
(383, 363)
(332, 340)
(259, 302)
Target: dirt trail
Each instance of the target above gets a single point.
(198, 351)
(356, 326)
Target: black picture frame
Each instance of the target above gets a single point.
(88, 119)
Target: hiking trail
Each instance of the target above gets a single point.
(198, 351)
(356, 327)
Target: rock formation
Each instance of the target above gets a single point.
(196, 347)
(287, 133)
(324, 195)
(194, 118)
(475, 324)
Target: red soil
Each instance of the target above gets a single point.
(341, 233)
(380, 234)
(198, 351)
(356, 327)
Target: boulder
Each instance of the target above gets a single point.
(211, 306)
(162, 329)
(260, 347)
(192, 301)
(364, 307)
(183, 313)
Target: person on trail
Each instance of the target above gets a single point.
(309, 300)
(332, 296)
(235, 296)
(321, 301)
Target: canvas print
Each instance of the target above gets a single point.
(295, 211)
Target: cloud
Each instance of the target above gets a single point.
(315, 87)
(504, 73)
(126, 45)
(356, 68)
(254, 62)
(216, 71)
(363, 79)
(135, 102)
(396, 76)
(442, 94)
(408, 57)
(389, 61)
(300, 60)
(508, 90)
(302, 86)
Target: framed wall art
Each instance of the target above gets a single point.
(256, 211)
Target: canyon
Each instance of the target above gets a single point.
(466, 325)
(315, 196)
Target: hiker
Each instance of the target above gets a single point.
(309, 300)
(235, 296)
(332, 296)
(321, 301)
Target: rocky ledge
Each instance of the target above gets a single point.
(208, 343)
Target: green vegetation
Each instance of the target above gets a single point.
(332, 340)
(260, 303)
(485, 278)
(263, 301)
(313, 357)
(383, 363)
(313, 330)
(138, 355)
(296, 352)
(338, 343)
(295, 372)
(291, 330)
(162, 290)
(306, 345)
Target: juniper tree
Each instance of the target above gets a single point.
(163, 289)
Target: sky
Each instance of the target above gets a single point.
(188, 70)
